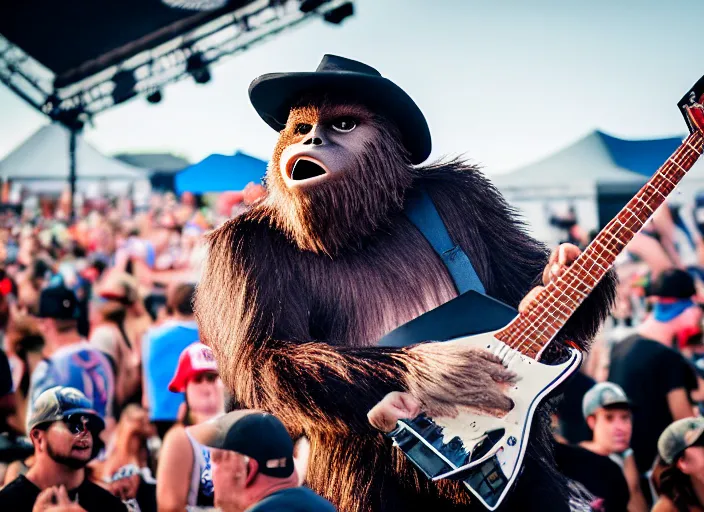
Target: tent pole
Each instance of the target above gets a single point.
(72, 170)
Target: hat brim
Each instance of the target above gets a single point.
(698, 433)
(79, 410)
(274, 94)
(180, 381)
(213, 433)
(619, 404)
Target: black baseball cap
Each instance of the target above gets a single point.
(58, 302)
(258, 435)
(672, 284)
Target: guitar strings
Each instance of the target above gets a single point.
(544, 320)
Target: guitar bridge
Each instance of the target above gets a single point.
(422, 441)
(479, 449)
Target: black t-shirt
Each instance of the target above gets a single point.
(5, 389)
(573, 426)
(647, 371)
(5, 375)
(295, 499)
(20, 495)
(598, 474)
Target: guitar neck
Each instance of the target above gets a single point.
(532, 330)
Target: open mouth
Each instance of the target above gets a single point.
(81, 446)
(305, 169)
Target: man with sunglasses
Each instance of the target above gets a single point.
(64, 430)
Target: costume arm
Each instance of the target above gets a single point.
(257, 320)
(314, 384)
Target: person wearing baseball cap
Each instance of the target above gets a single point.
(64, 430)
(655, 376)
(184, 471)
(70, 360)
(607, 411)
(116, 312)
(253, 465)
(675, 303)
(678, 475)
(59, 303)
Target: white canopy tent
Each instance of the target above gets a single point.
(41, 164)
(580, 176)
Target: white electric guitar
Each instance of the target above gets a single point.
(486, 452)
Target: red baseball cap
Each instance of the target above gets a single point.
(195, 359)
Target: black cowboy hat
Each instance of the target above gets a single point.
(273, 95)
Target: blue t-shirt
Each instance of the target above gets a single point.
(78, 366)
(160, 352)
(295, 499)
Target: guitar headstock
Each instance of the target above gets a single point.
(692, 107)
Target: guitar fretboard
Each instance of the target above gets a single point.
(532, 330)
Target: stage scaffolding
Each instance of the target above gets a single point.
(185, 47)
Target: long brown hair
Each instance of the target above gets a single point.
(670, 482)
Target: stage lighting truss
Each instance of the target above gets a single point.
(188, 56)
(196, 5)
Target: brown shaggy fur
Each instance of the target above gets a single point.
(296, 292)
(339, 214)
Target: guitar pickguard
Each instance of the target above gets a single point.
(485, 452)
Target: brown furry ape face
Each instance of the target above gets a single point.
(337, 173)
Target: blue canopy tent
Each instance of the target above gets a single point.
(219, 173)
(596, 176)
(641, 156)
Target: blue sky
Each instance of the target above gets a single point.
(503, 82)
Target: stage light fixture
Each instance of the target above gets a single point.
(154, 97)
(338, 14)
(51, 105)
(125, 83)
(311, 5)
(198, 69)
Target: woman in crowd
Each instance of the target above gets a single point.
(678, 475)
(24, 344)
(184, 472)
(127, 469)
(118, 332)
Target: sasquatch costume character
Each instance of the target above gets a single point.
(296, 292)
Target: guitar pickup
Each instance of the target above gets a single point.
(422, 441)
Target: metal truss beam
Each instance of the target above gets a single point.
(154, 69)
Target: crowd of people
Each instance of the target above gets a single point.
(110, 402)
(628, 425)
